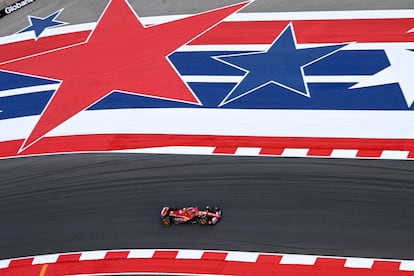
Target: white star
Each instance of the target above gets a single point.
(400, 71)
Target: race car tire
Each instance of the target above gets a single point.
(166, 221)
(203, 221)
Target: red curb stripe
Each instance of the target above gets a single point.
(216, 256)
(223, 144)
(69, 257)
(116, 255)
(211, 262)
(320, 152)
(21, 262)
(165, 254)
(369, 153)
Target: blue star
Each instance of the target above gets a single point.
(38, 25)
(281, 65)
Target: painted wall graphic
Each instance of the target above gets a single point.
(333, 84)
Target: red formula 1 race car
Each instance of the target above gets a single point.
(190, 215)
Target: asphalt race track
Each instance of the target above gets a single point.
(289, 205)
(310, 206)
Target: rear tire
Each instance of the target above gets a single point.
(166, 221)
(203, 221)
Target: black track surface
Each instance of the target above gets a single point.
(290, 205)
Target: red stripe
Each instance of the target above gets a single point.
(225, 150)
(320, 152)
(312, 31)
(30, 47)
(72, 257)
(369, 153)
(224, 144)
(21, 262)
(214, 256)
(116, 255)
(272, 151)
(165, 254)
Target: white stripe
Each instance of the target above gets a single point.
(265, 47)
(335, 79)
(93, 255)
(70, 29)
(344, 153)
(4, 263)
(171, 150)
(45, 259)
(190, 254)
(292, 123)
(231, 47)
(407, 265)
(11, 129)
(359, 263)
(268, 123)
(298, 259)
(308, 79)
(214, 79)
(194, 78)
(247, 151)
(141, 253)
(394, 154)
(27, 90)
(250, 257)
(324, 15)
(295, 152)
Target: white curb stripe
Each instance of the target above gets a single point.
(92, 255)
(359, 263)
(394, 154)
(4, 263)
(344, 153)
(250, 257)
(190, 254)
(407, 265)
(288, 152)
(141, 253)
(248, 151)
(298, 259)
(45, 259)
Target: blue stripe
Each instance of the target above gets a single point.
(352, 62)
(14, 81)
(324, 96)
(24, 105)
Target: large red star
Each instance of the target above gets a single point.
(122, 54)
